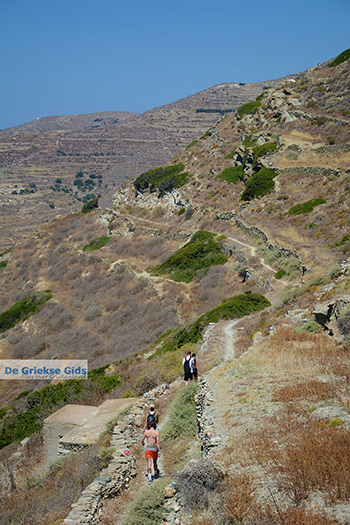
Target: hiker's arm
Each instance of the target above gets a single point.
(158, 443)
(143, 439)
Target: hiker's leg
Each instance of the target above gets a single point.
(149, 468)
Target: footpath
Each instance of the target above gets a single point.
(116, 477)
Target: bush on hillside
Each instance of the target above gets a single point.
(90, 205)
(262, 150)
(163, 179)
(232, 308)
(97, 243)
(249, 141)
(195, 257)
(259, 184)
(345, 55)
(233, 174)
(280, 274)
(306, 207)
(193, 143)
(22, 309)
(196, 482)
(249, 108)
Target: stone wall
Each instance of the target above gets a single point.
(315, 171)
(259, 235)
(206, 425)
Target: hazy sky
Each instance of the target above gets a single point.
(81, 56)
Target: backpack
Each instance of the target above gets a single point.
(187, 367)
(194, 363)
(151, 417)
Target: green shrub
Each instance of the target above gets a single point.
(311, 327)
(249, 108)
(281, 273)
(311, 103)
(193, 143)
(97, 243)
(23, 394)
(250, 141)
(181, 212)
(344, 240)
(306, 207)
(3, 412)
(232, 308)
(6, 251)
(336, 422)
(259, 184)
(182, 415)
(164, 179)
(233, 174)
(345, 55)
(321, 120)
(22, 309)
(90, 205)
(129, 393)
(262, 150)
(148, 507)
(3, 264)
(201, 252)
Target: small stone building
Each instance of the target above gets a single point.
(75, 427)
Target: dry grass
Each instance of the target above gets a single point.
(295, 353)
(49, 498)
(312, 389)
(241, 506)
(305, 456)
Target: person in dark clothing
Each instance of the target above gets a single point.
(187, 367)
(194, 366)
(152, 415)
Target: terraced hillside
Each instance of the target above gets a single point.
(40, 160)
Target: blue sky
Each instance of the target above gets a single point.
(82, 56)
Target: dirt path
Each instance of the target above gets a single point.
(252, 249)
(230, 335)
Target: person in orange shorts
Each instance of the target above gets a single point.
(152, 451)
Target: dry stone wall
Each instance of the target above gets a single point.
(258, 234)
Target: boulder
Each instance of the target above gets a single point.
(169, 492)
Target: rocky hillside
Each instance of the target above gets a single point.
(40, 160)
(237, 249)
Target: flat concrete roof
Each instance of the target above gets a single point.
(74, 414)
(89, 432)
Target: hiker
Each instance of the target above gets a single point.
(194, 366)
(151, 416)
(152, 450)
(187, 367)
